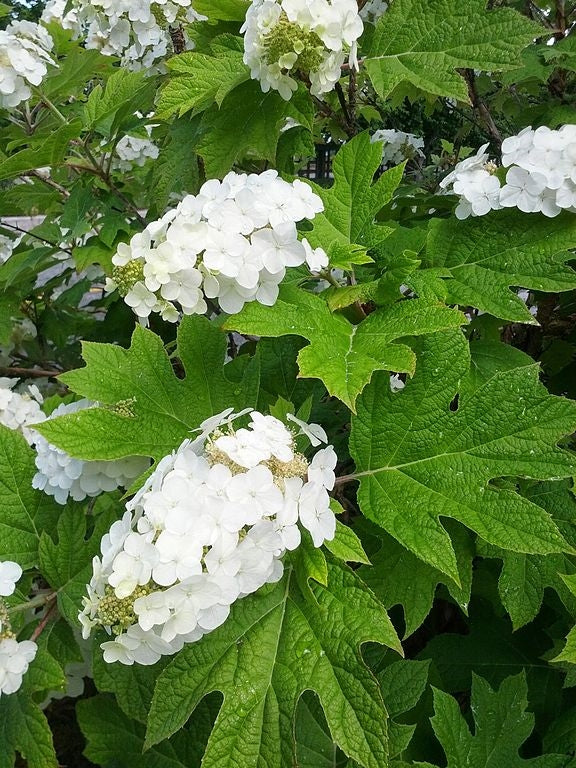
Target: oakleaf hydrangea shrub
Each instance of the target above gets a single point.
(210, 526)
(224, 223)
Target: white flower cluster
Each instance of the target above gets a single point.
(209, 526)
(138, 32)
(398, 146)
(61, 476)
(541, 176)
(312, 37)
(15, 657)
(373, 9)
(19, 411)
(24, 61)
(134, 150)
(231, 242)
(6, 248)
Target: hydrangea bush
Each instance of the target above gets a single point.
(287, 383)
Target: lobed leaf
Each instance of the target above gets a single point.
(418, 460)
(425, 42)
(275, 645)
(342, 355)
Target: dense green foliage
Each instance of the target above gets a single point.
(437, 628)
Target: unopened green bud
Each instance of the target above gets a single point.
(293, 47)
(125, 277)
(118, 614)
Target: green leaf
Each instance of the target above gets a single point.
(176, 168)
(418, 460)
(275, 645)
(197, 80)
(398, 577)
(165, 408)
(486, 255)
(424, 42)
(346, 545)
(491, 649)
(342, 355)
(561, 735)
(402, 685)
(66, 561)
(502, 725)
(569, 651)
(314, 747)
(74, 71)
(248, 123)
(9, 311)
(132, 686)
(46, 151)
(488, 358)
(25, 511)
(23, 726)
(525, 577)
(222, 10)
(354, 200)
(113, 738)
(123, 94)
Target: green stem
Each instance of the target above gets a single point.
(52, 107)
(327, 275)
(36, 602)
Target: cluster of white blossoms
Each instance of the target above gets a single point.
(373, 9)
(209, 526)
(398, 146)
(24, 61)
(18, 411)
(541, 175)
(15, 657)
(134, 150)
(138, 32)
(6, 248)
(231, 242)
(313, 38)
(61, 476)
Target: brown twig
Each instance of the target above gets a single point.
(6, 225)
(28, 373)
(47, 180)
(348, 123)
(481, 107)
(44, 622)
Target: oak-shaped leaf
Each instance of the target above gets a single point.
(352, 202)
(524, 578)
(275, 645)
(424, 42)
(482, 257)
(501, 726)
(344, 356)
(24, 511)
(419, 458)
(145, 409)
(24, 729)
